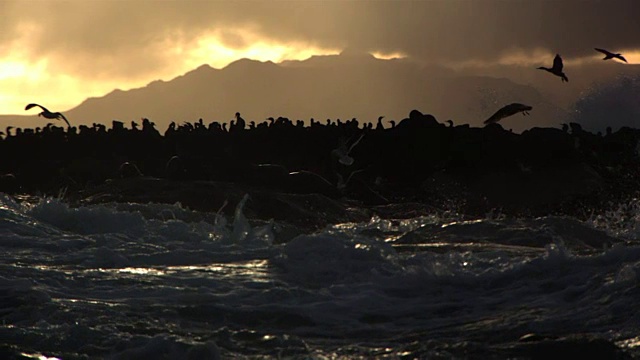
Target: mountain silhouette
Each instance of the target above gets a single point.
(351, 84)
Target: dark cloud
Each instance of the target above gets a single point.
(128, 38)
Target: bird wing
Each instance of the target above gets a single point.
(29, 106)
(355, 143)
(557, 62)
(351, 175)
(65, 119)
(301, 172)
(602, 51)
(621, 58)
(507, 111)
(517, 107)
(495, 117)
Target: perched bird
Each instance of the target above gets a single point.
(508, 110)
(240, 123)
(557, 68)
(48, 114)
(379, 125)
(610, 55)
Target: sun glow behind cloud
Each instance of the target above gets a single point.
(632, 56)
(388, 56)
(24, 79)
(210, 49)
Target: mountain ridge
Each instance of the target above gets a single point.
(343, 86)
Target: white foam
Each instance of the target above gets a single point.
(124, 271)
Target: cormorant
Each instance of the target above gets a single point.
(48, 114)
(379, 126)
(610, 55)
(240, 123)
(557, 68)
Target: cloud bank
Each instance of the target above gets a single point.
(116, 42)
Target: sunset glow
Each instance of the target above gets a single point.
(104, 45)
(25, 80)
(632, 56)
(209, 49)
(388, 56)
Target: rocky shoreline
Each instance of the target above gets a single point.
(323, 174)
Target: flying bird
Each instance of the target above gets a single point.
(556, 69)
(507, 111)
(610, 55)
(48, 114)
(342, 151)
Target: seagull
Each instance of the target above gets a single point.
(556, 69)
(610, 55)
(48, 114)
(341, 185)
(342, 152)
(508, 110)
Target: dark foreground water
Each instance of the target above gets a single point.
(131, 281)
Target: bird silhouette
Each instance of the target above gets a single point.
(379, 125)
(48, 114)
(610, 55)
(556, 69)
(240, 123)
(508, 110)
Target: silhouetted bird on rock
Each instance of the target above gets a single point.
(239, 124)
(610, 55)
(379, 126)
(556, 69)
(507, 111)
(48, 114)
(417, 120)
(575, 128)
(129, 170)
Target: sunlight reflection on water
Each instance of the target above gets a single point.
(253, 268)
(38, 356)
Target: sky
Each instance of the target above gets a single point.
(58, 53)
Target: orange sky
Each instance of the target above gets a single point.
(24, 79)
(58, 53)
